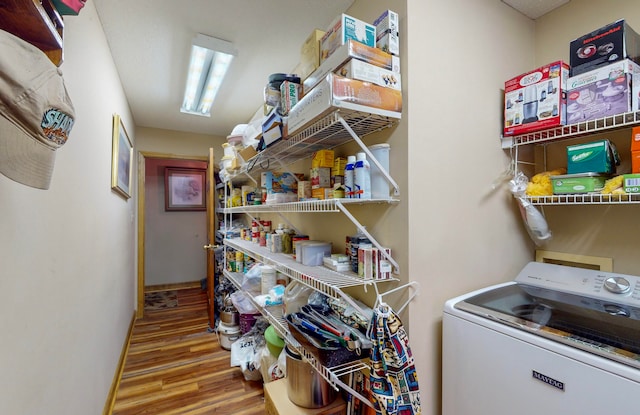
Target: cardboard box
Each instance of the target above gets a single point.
(593, 157)
(339, 164)
(247, 153)
(289, 95)
(635, 161)
(536, 100)
(280, 182)
(304, 190)
(381, 266)
(337, 92)
(323, 158)
(363, 71)
(310, 54)
(631, 183)
(607, 90)
(276, 402)
(343, 28)
(351, 49)
(272, 130)
(603, 46)
(320, 177)
(387, 32)
(322, 193)
(635, 139)
(578, 183)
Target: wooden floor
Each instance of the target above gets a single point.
(175, 366)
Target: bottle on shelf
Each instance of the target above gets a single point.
(348, 176)
(362, 177)
(353, 244)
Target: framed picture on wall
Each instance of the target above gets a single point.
(184, 189)
(121, 159)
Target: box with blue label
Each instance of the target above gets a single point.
(631, 183)
(342, 29)
(280, 182)
(594, 157)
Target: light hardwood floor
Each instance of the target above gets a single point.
(175, 366)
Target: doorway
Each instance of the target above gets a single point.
(158, 160)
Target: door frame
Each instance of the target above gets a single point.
(142, 157)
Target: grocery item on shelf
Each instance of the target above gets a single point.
(363, 71)
(615, 41)
(355, 50)
(309, 54)
(578, 183)
(388, 32)
(349, 176)
(604, 91)
(598, 156)
(536, 100)
(631, 183)
(343, 29)
(380, 186)
(353, 243)
(362, 177)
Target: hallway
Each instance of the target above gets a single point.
(175, 366)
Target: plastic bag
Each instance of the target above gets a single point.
(534, 221)
(243, 303)
(252, 280)
(242, 350)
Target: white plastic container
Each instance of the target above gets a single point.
(295, 296)
(348, 176)
(313, 252)
(268, 277)
(362, 177)
(379, 184)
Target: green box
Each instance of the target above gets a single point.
(631, 183)
(593, 157)
(577, 183)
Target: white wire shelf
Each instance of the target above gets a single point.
(325, 133)
(320, 278)
(610, 123)
(274, 314)
(307, 206)
(585, 199)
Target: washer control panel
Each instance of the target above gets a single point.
(601, 285)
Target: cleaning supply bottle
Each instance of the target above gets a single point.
(362, 177)
(348, 176)
(359, 240)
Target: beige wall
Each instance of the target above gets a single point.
(605, 231)
(67, 253)
(462, 235)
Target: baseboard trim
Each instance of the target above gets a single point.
(115, 384)
(173, 286)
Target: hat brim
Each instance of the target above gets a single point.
(23, 158)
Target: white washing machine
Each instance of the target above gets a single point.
(556, 340)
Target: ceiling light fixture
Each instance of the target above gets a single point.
(209, 62)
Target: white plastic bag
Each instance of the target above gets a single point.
(242, 350)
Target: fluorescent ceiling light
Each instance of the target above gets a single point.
(209, 62)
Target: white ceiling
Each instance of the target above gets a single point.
(150, 42)
(535, 8)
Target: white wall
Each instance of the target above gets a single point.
(462, 236)
(67, 253)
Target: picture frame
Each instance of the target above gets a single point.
(184, 189)
(122, 159)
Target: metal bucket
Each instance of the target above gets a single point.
(305, 386)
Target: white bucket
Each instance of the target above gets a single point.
(227, 335)
(380, 187)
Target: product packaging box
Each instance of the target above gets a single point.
(594, 157)
(289, 96)
(323, 158)
(310, 54)
(320, 177)
(247, 153)
(536, 100)
(272, 130)
(381, 266)
(280, 182)
(304, 190)
(603, 46)
(349, 50)
(363, 71)
(635, 139)
(635, 161)
(322, 193)
(607, 90)
(578, 183)
(343, 28)
(387, 32)
(631, 183)
(337, 92)
(339, 164)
